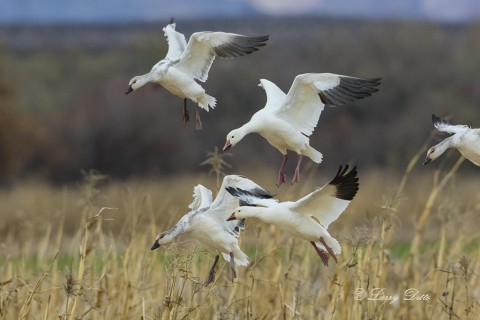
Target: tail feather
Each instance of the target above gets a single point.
(241, 259)
(205, 101)
(313, 154)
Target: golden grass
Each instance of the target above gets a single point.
(64, 257)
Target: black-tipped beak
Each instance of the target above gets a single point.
(227, 145)
(427, 161)
(130, 89)
(232, 217)
(156, 245)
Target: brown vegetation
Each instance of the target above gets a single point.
(83, 253)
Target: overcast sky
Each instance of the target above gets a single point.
(45, 11)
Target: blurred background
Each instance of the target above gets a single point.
(64, 67)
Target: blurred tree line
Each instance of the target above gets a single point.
(63, 105)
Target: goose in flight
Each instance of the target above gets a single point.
(288, 120)
(187, 62)
(307, 218)
(207, 222)
(463, 138)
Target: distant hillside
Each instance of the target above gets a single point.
(71, 80)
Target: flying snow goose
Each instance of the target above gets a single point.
(287, 120)
(307, 218)
(464, 138)
(207, 222)
(185, 63)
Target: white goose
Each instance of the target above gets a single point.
(464, 138)
(287, 120)
(207, 222)
(185, 63)
(307, 218)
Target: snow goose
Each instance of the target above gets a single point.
(464, 138)
(307, 218)
(185, 63)
(207, 222)
(287, 120)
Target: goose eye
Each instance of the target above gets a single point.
(233, 137)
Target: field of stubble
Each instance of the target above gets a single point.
(410, 251)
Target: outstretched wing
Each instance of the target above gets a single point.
(445, 126)
(198, 56)
(275, 95)
(202, 197)
(224, 204)
(326, 204)
(176, 41)
(310, 92)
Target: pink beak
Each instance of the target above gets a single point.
(227, 145)
(232, 217)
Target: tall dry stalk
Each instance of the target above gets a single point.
(26, 306)
(422, 219)
(217, 161)
(86, 248)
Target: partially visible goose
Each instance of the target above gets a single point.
(207, 222)
(307, 218)
(185, 63)
(464, 138)
(287, 120)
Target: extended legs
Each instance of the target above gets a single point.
(198, 122)
(296, 176)
(281, 172)
(186, 116)
(322, 254)
(211, 274)
(322, 241)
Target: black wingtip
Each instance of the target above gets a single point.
(349, 89)
(233, 191)
(437, 120)
(257, 192)
(346, 183)
(246, 197)
(240, 226)
(242, 45)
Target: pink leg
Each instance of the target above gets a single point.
(296, 176)
(281, 173)
(232, 266)
(322, 254)
(328, 249)
(211, 274)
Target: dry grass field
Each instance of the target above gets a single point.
(411, 250)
